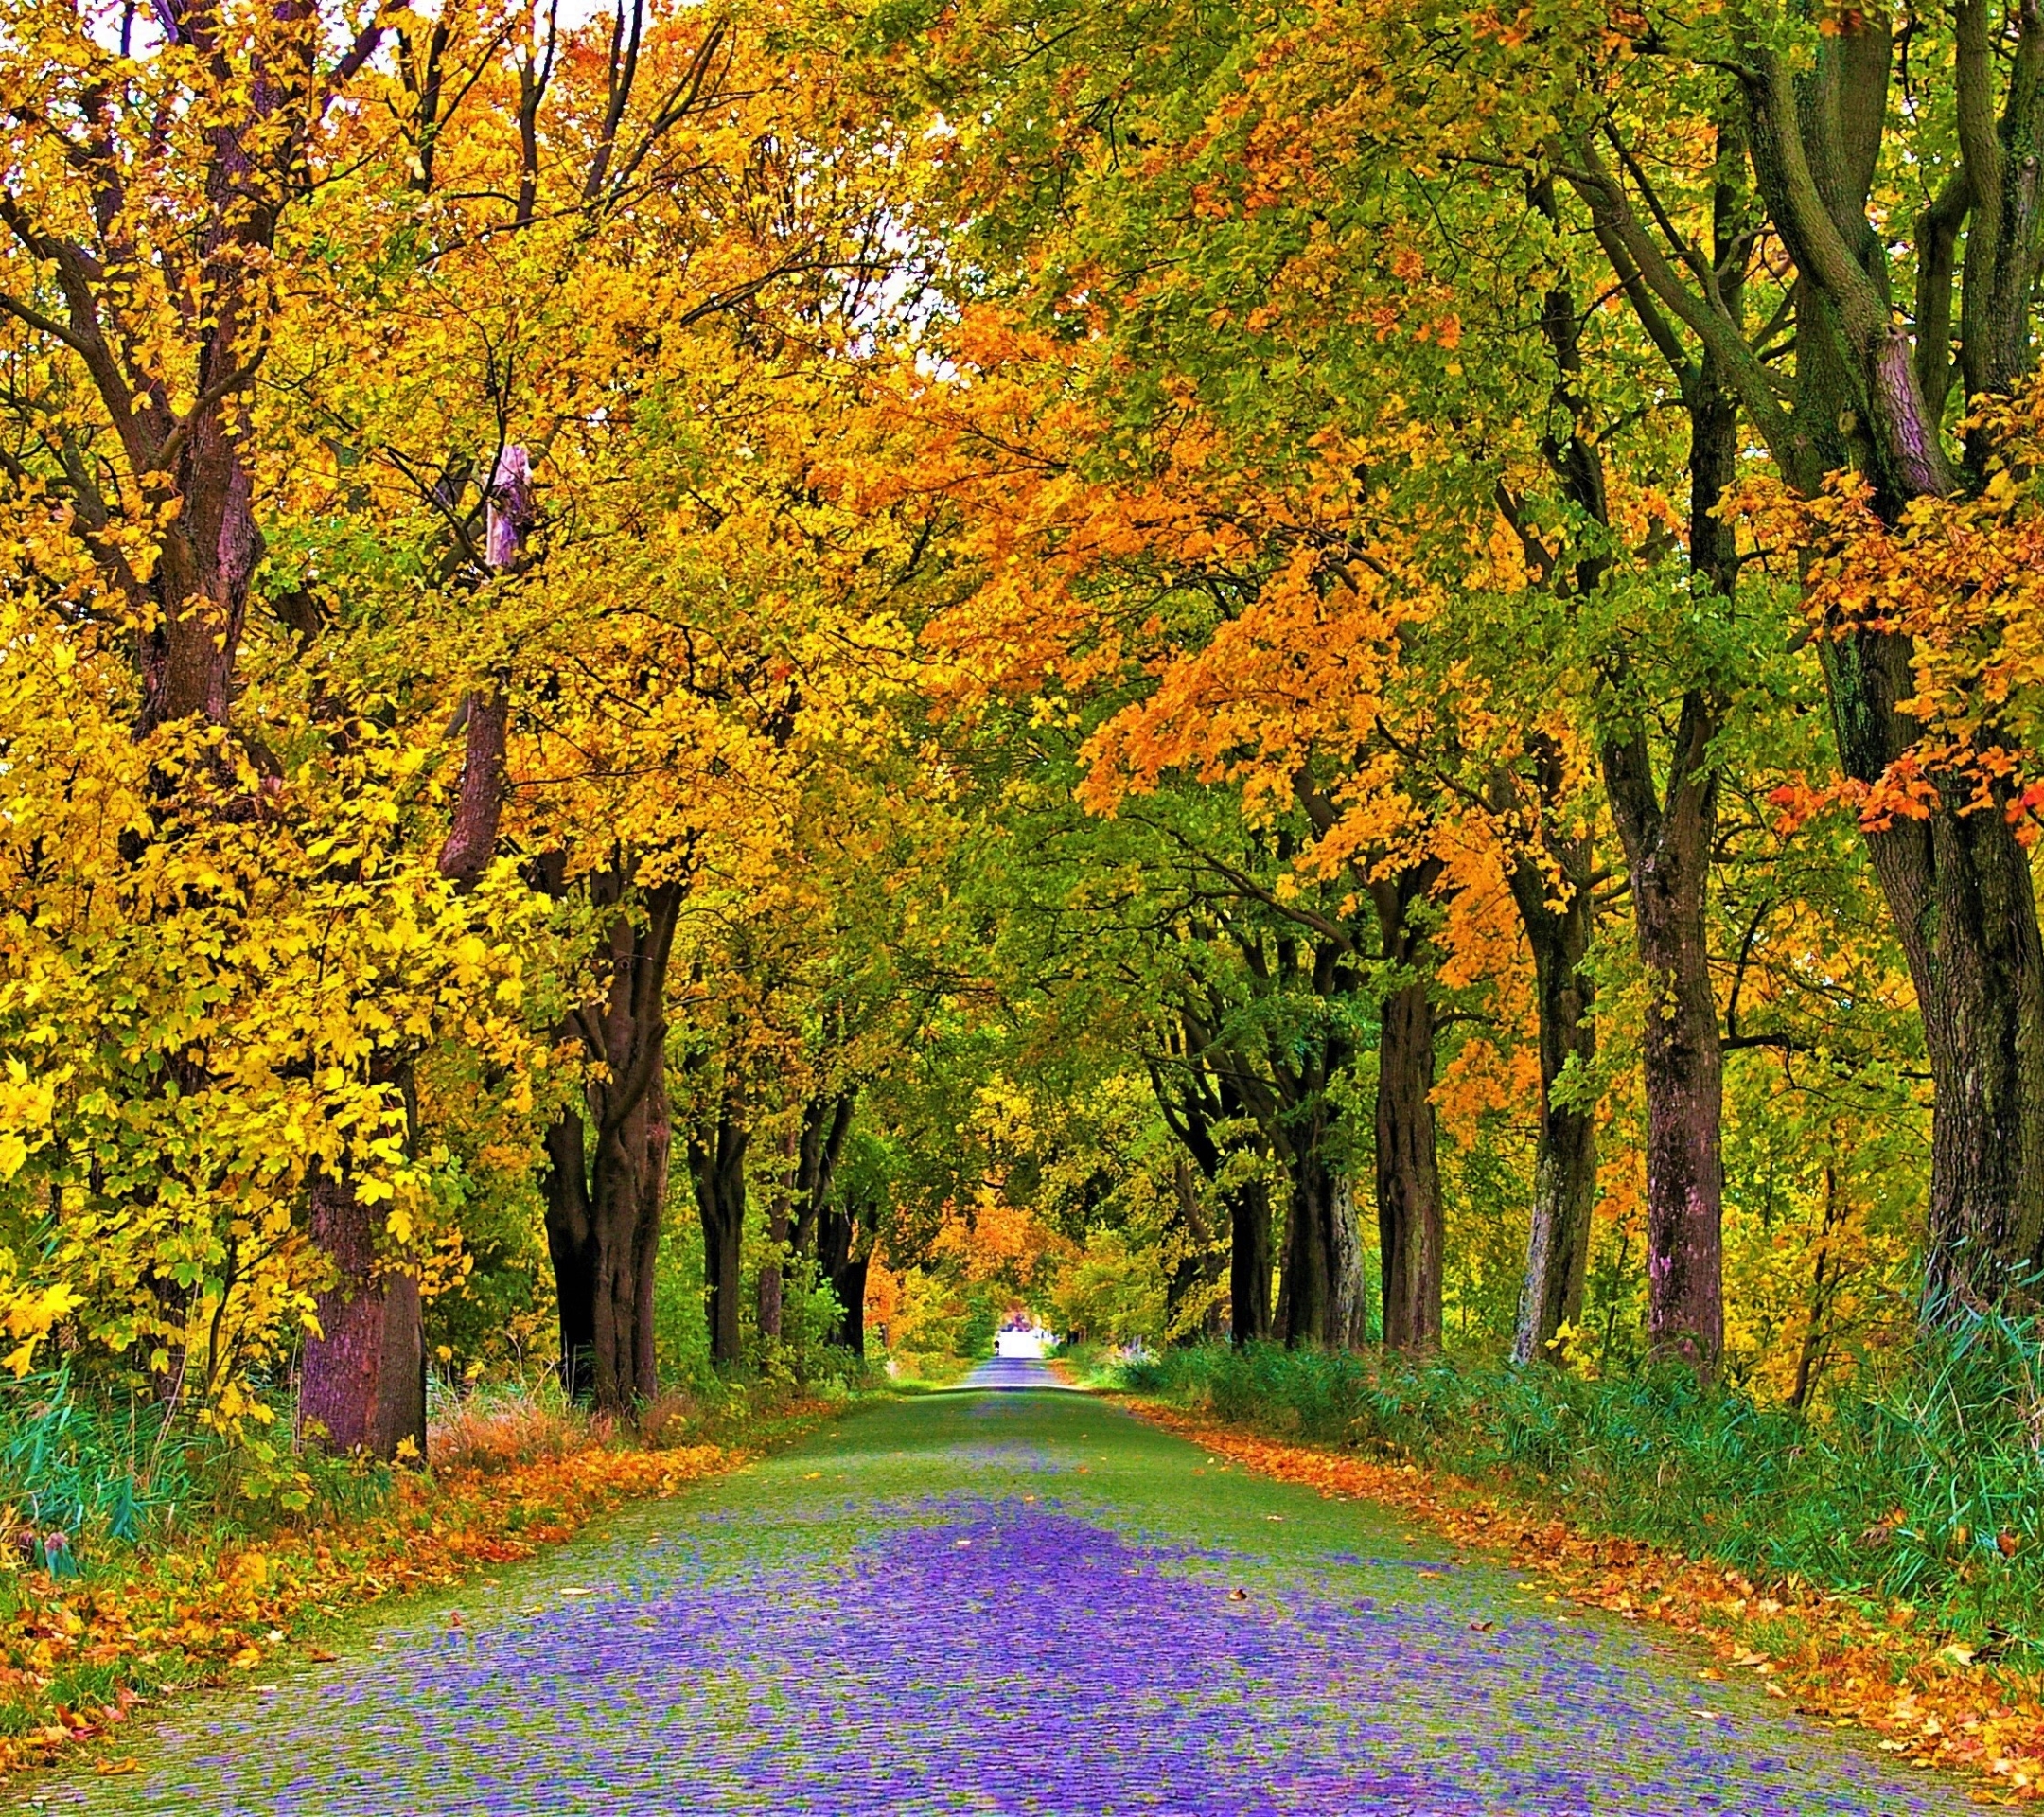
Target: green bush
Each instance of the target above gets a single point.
(1921, 1483)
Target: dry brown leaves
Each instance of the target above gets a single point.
(1932, 1704)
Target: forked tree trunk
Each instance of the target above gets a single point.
(826, 1124)
(1199, 1101)
(607, 1167)
(718, 1165)
(1196, 1263)
(1668, 838)
(1957, 883)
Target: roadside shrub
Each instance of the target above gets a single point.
(497, 1426)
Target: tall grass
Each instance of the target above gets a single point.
(1924, 1483)
(74, 1465)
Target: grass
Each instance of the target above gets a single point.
(1922, 1485)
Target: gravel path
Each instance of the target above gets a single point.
(1004, 1598)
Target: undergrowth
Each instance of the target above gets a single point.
(1923, 1484)
(88, 1478)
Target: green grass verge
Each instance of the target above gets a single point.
(1924, 1486)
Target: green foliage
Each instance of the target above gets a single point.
(1113, 1292)
(1923, 1484)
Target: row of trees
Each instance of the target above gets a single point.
(1339, 601)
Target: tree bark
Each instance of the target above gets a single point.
(1559, 929)
(1200, 1099)
(385, 1302)
(844, 1253)
(1668, 853)
(1250, 1263)
(1957, 882)
(1309, 1310)
(366, 1390)
(1409, 1217)
(607, 1164)
(1351, 1321)
(717, 1164)
(779, 1224)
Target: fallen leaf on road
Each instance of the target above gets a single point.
(107, 1769)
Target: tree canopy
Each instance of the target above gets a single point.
(1339, 674)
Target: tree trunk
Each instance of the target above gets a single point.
(826, 1124)
(1957, 883)
(1959, 888)
(1409, 1219)
(1311, 1310)
(571, 1247)
(1249, 1262)
(1564, 1158)
(1196, 1263)
(364, 1379)
(716, 1163)
(1667, 851)
(1410, 1231)
(779, 1219)
(1685, 1095)
(1814, 1353)
(844, 1253)
(1351, 1321)
(606, 1165)
(1203, 1099)
(345, 1392)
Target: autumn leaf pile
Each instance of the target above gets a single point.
(1832, 1657)
(207, 1616)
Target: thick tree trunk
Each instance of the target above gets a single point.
(1959, 888)
(1250, 1263)
(1409, 1220)
(1564, 1158)
(1957, 883)
(1410, 1231)
(345, 1391)
(1311, 1309)
(607, 1167)
(717, 1163)
(364, 1385)
(1667, 851)
(1683, 1072)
